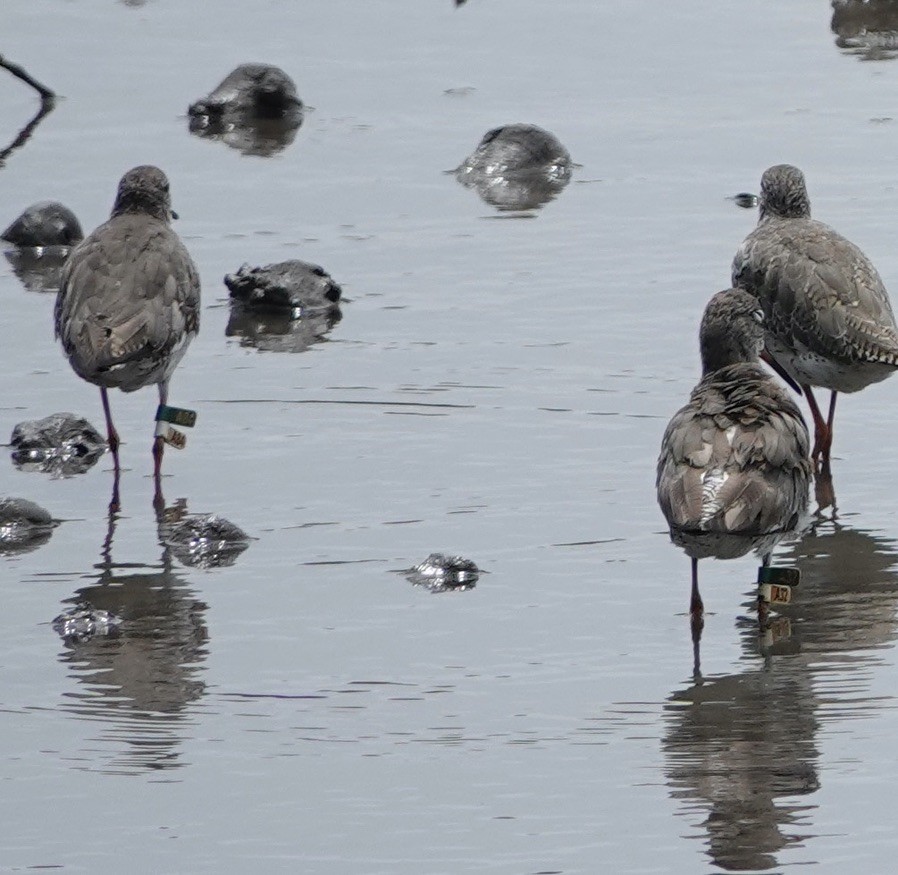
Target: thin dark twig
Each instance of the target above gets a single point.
(47, 96)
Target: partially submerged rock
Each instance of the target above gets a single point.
(46, 223)
(288, 287)
(84, 622)
(868, 28)
(39, 243)
(260, 89)
(24, 525)
(440, 572)
(282, 307)
(62, 444)
(204, 540)
(255, 109)
(517, 167)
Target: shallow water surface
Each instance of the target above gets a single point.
(497, 387)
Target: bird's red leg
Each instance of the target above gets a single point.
(829, 429)
(111, 433)
(696, 607)
(158, 450)
(822, 434)
(696, 617)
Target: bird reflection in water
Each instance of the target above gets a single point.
(141, 681)
(741, 749)
(868, 28)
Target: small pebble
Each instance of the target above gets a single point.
(746, 200)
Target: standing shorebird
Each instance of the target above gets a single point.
(734, 472)
(128, 304)
(828, 322)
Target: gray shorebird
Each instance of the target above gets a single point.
(129, 300)
(828, 321)
(734, 471)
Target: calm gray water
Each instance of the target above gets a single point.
(497, 388)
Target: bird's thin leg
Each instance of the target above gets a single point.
(763, 606)
(697, 649)
(115, 504)
(696, 610)
(822, 435)
(111, 433)
(158, 449)
(696, 621)
(829, 429)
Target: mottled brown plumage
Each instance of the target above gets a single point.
(734, 472)
(129, 299)
(829, 321)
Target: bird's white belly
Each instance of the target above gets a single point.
(811, 368)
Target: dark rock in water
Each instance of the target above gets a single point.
(283, 307)
(288, 287)
(204, 540)
(439, 572)
(251, 88)
(46, 223)
(517, 167)
(84, 622)
(24, 525)
(746, 200)
(255, 110)
(42, 237)
(868, 28)
(62, 444)
(280, 332)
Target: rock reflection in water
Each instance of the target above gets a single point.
(280, 332)
(141, 681)
(740, 748)
(260, 137)
(868, 28)
(38, 269)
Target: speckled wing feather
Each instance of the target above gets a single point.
(735, 458)
(819, 290)
(128, 303)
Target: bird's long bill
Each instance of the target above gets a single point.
(770, 360)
